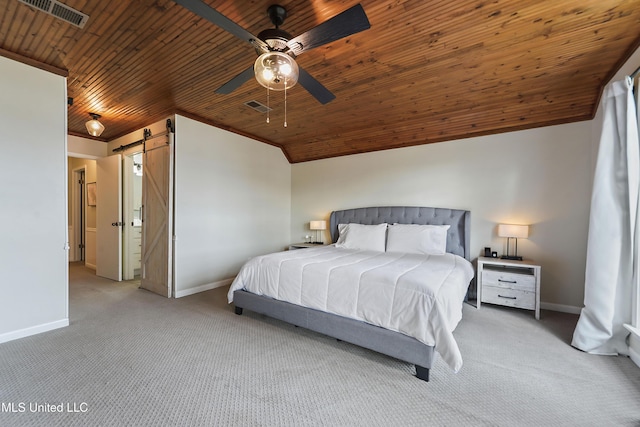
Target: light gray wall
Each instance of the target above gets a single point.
(33, 206)
(539, 177)
(232, 202)
(85, 148)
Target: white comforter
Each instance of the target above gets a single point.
(417, 295)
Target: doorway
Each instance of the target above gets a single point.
(132, 213)
(78, 216)
(81, 213)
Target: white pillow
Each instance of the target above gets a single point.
(417, 239)
(364, 237)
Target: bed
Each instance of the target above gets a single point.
(418, 335)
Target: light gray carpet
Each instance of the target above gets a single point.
(132, 358)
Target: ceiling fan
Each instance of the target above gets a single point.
(276, 68)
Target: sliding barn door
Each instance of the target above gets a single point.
(157, 223)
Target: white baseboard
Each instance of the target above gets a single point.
(91, 266)
(202, 288)
(560, 307)
(33, 330)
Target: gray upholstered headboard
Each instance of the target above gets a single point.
(458, 235)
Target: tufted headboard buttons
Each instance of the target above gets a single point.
(458, 235)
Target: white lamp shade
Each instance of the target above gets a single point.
(512, 230)
(318, 225)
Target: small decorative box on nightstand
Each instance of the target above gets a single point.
(511, 283)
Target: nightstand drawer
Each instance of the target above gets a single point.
(507, 279)
(509, 297)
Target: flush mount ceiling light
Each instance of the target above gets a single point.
(94, 127)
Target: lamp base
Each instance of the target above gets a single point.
(511, 257)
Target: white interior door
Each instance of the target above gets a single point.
(109, 217)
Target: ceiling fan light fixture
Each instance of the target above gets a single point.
(94, 127)
(276, 70)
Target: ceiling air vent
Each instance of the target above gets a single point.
(59, 10)
(257, 106)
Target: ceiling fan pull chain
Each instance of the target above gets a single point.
(285, 103)
(268, 107)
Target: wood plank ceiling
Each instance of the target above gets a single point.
(426, 71)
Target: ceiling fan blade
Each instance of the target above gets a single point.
(351, 21)
(205, 11)
(314, 87)
(236, 82)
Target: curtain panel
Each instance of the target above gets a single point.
(613, 243)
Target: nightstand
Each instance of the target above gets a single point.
(304, 245)
(510, 283)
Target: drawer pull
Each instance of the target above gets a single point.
(506, 297)
(507, 281)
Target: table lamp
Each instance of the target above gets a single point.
(317, 226)
(512, 231)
